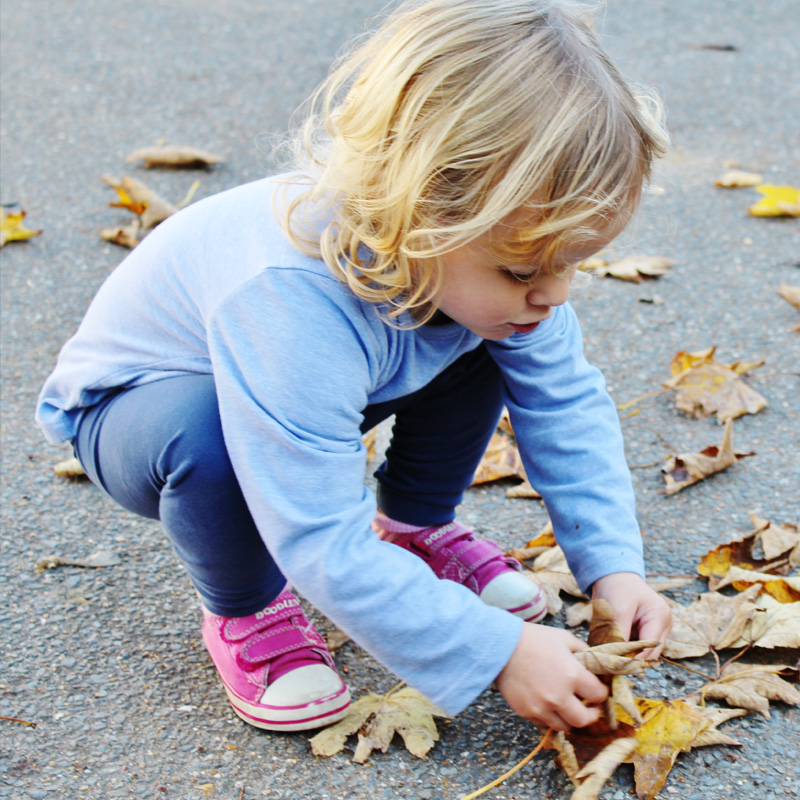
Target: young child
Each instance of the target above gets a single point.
(460, 163)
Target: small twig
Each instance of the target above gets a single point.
(688, 669)
(21, 721)
(641, 397)
(498, 781)
(632, 414)
(734, 658)
(669, 444)
(241, 794)
(651, 464)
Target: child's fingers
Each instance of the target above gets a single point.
(590, 687)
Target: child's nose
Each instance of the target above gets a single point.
(551, 291)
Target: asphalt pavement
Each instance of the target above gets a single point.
(108, 663)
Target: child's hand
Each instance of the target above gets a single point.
(545, 683)
(641, 612)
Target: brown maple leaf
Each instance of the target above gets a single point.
(688, 468)
(779, 544)
(376, 719)
(706, 387)
(541, 543)
(713, 621)
(752, 686)
(174, 156)
(773, 625)
(551, 571)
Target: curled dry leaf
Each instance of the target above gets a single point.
(630, 268)
(12, 229)
(688, 468)
(336, 638)
(123, 235)
(783, 588)
(752, 686)
(614, 658)
(773, 625)
(535, 547)
(714, 621)
(165, 155)
(791, 294)
(738, 178)
(594, 775)
(706, 387)
(779, 545)
(777, 201)
(377, 718)
(70, 468)
(100, 558)
(149, 206)
(552, 572)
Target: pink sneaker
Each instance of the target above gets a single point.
(276, 668)
(453, 553)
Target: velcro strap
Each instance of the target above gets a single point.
(267, 645)
(238, 628)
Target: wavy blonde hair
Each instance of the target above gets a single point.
(454, 114)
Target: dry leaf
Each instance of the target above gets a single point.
(593, 776)
(668, 728)
(501, 460)
(780, 545)
(687, 468)
(738, 178)
(71, 468)
(369, 442)
(100, 558)
(633, 268)
(752, 686)
(778, 201)
(551, 571)
(336, 638)
(123, 235)
(143, 201)
(535, 547)
(174, 156)
(12, 229)
(773, 625)
(706, 387)
(523, 489)
(783, 589)
(377, 718)
(791, 294)
(713, 621)
(614, 658)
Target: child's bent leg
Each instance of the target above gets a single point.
(158, 450)
(439, 437)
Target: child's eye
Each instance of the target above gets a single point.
(517, 277)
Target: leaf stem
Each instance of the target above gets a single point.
(21, 721)
(498, 781)
(394, 689)
(688, 669)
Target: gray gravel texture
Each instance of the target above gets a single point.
(108, 663)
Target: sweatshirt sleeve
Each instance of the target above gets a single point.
(293, 365)
(571, 444)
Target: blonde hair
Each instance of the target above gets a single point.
(453, 115)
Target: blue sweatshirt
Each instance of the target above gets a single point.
(296, 357)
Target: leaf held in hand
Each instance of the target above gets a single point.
(377, 718)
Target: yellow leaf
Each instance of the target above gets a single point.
(377, 718)
(738, 178)
(144, 202)
(688, 468)
(12, 229)
(778, 201)
(783, 589)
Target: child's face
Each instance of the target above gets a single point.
(495, 301)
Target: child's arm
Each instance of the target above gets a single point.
(641, 612)
(545, 683)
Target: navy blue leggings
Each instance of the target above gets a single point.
(158, 450)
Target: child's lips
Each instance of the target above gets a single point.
(525, 328)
